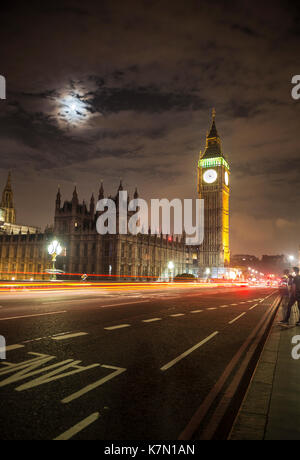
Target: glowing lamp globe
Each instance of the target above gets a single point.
(54, 248)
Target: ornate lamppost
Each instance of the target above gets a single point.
(54, 250)
(171, 267)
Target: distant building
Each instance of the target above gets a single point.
(8, 213)
(273, 264)
(244, 260)
(22, 247)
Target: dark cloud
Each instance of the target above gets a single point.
(144, 99)
(147, 75)
(244, 29)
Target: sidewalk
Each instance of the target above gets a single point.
(271, 407)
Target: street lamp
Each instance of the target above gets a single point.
(207, 273)
(54, 250)
(291, 260)
(171, 268)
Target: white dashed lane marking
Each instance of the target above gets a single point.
(151, 320)
(120, 326)
(188, 352)
(175, 315)
(69, 336)
(10, 348)
(32, 316)
(235, 319)
(251, 308)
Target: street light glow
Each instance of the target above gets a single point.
(54, 248)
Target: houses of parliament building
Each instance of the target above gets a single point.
(23, 249)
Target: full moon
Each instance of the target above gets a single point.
(73, 109)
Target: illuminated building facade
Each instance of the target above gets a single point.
(142, 256)
(213, 187)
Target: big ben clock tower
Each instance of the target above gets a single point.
(214, 188)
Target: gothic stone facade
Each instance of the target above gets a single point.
(123, 257)
(143, 256)
(24, 256)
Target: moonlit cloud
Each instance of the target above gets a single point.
(110, 89)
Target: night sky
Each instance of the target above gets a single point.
(110, 89)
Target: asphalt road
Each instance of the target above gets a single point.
(131, 365)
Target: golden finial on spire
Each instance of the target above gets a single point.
(214, 113)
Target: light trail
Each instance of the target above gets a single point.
(116, 286)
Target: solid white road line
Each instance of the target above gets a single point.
(151, 320)
(238, 317)
(120, 326)
(69, 336)
(33, 316)
(188, 352)
(78, 427)
(92, 386)
(177, 314)
(251, 308)
(91, 299)
(10, 347)
(196, 311)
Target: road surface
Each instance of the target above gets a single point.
(115, 364)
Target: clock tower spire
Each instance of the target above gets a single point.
(213, 188)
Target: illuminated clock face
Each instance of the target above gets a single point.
(210, 176)
(226, 178)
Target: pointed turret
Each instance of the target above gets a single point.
(136, 195)
(75, 195)
(75, 201)
(92, 205)
(8, 184)
(101, 192)
(213, 130)
(7, 202)
(213, 141)
(58, 198)
(120, 189)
